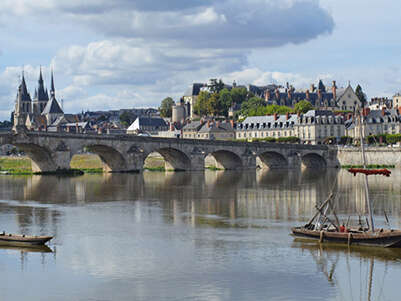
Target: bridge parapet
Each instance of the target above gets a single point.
(121, 153)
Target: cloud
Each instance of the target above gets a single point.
(141, 51)
(223, 24)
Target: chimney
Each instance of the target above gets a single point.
(217, 124)
(383, 111)
(287, 116)
(366, 112)
(208, 124)
(307, 95)
(277, 94)
(232, 123)
(334, 90)
(171, 127)
(312, 88)
(289, 92)
(399, 110)
(267, 95)
(275, 116)
(299, 114)
(319, 94)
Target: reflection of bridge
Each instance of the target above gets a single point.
(121, 153)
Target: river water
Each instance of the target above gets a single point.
(209, 235)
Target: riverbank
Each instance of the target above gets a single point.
(87, 163)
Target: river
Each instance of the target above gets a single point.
(210, 235)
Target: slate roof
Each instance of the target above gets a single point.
(192, 126)
(52, 107)
(223, 127)
(149, 121)
(194, 89)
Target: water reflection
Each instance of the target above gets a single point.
(356, 272)
(215, 234)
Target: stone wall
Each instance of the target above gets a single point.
(374, 155)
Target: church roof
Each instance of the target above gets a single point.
(23, 91)
(41, 94)
(52, 107)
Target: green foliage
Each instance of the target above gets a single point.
(251, 106)
(224, 102)
(303, 106)
(288, 139)
(239, 95)
(215, 86)
(361, 96)
(345, 140)
(166, 107)
(369, 166)
(213, 104)
(200, 106)
(273, 140)
(393, 138)
(126, 118)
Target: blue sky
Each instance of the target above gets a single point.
(133, 53)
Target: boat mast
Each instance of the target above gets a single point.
(371, 225)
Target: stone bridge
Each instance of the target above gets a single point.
(51, 152)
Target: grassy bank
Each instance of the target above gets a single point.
(87, 163)
(368, 166)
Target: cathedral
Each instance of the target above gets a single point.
(42, 111)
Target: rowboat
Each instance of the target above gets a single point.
(22, 240)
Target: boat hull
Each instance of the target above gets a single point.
(385, 239)
(23, 241)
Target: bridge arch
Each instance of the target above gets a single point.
(113, 160)
(313, 160)
(225, 159)
(174, 159)
(41, 157)
(273, 160)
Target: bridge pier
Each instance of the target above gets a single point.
(197, 161)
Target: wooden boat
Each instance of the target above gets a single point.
(325, 229)
(379, 238)
(22, 240)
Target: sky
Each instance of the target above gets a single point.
(134, 53)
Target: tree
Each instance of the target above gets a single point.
(238, 95)
(303, 106)
(213, 104)
(215, 86)
(166, 107)
(126, 118)
(251, 106)
(224, 102)
(200, 106)
(361, 96)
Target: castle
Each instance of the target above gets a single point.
(40, 112)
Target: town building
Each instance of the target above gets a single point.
(320, 97)
(377, 103)
(397, 100)
(377, 122)
(209, 129)
(313, 127)
(148, 125)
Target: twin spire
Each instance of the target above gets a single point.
(41, 94)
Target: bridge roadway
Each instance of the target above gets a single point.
(51, 152)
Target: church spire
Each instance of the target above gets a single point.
(41, 94)
(23, 91)
(52, 90)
